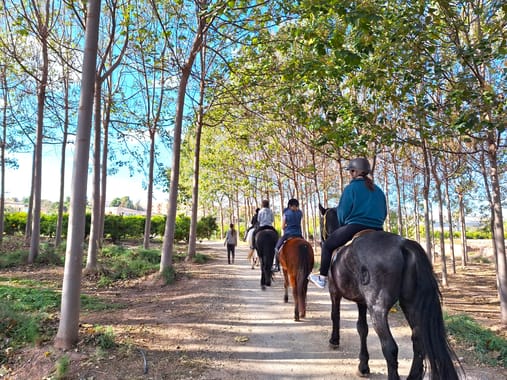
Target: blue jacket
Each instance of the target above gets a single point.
(359, 205)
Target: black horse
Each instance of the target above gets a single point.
(265, 242)
(377, 270)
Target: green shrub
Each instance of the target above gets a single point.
(488, 347)
(14, 258)
(182, 228)
(169, 275)
(200, 258)
(117, 228)
(149, 255)
(15, 223)
(158, 225)
(105, 338)
(206, 227)
(62, 367)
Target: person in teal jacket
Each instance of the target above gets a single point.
(362, 206)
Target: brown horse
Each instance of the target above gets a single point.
(296, 259)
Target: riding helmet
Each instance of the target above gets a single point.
(359, 164)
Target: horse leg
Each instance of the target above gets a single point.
(286, 286)
(267, 274)
(249, 256)
(263, 276)
(362, 329)
(334, 341)
(417, 367)
(303, 297)
(295, 296)
(389, 347)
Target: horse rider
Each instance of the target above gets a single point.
(362, 206)
(291, 226)
(265, 219)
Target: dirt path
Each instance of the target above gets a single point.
(279, 348)
(215, 322)
(255, 336)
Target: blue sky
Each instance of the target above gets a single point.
(18, 181)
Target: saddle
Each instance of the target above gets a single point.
(361, 233)
(334, 255)
(286, 240)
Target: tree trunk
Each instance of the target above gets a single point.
(464, 250)
(39, 139)
(451, 229)
(167, 247)
(438, 190)
(399, 223)
(93, 242)
(61, 197)
(498, 230)
(103, 169)
(5, 99)
(195, 186)
(68, 328)
(147, 222)
(426, 196)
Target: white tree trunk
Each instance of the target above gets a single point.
(68, 328)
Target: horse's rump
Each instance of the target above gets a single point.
(249, 237)
(265, 242)
(296, 260)
(296, 255)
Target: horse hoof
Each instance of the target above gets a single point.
(263, 287)
(363, 374)
(286, 299)
(334, 346)
(296, 319)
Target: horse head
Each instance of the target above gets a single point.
(328, 221)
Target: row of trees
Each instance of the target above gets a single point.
(261, 100)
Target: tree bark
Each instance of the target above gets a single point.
(68, 328)
(498, 230)
(167, 247)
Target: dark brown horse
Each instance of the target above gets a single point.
(377, 270)
(296, 260)
(265, 242)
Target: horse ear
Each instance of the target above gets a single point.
(322, 209)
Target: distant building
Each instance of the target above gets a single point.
(124, 211)
(156, 209)
(12, 206)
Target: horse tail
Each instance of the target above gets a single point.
(425, 312)
(304, 269)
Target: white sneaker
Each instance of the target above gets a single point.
(318, 280)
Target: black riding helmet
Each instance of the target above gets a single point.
(359, 164)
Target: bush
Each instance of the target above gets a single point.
(117, 228)
(182, 228)
(15, 223)
(488, 347)
(158, 225)
(206, 227)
